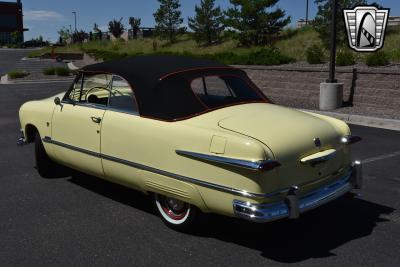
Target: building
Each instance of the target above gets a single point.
(393, 22)
(11, 22)
(302, 23)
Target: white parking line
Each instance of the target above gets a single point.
(373, 159)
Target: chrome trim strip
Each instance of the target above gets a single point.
(251, 165)
(179, 177)
(321, 159)
(74, 148)
(161, 172)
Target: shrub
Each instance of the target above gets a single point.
(345, 58)
(265, 56)
(314, 54)
(49, 71)
(61, 71)
(379, 58)
(16, 74)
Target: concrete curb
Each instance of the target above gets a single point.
(72, 66)
(39, 81)
(4, 79)
(362, 120)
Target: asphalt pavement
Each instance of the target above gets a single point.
(10, 57)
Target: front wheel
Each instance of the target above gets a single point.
(44, 164)
(175, 213)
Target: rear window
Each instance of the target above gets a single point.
(219, 91)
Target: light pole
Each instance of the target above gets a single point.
(331, 92)
(74, 12)
(307, 13)
(332, 60)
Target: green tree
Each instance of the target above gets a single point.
(65, 34)
(254, 22)
(135, 24)
(116, 28)
(79, 36)
(168, 19)
(208, 22)
(322, 21)
(16, 37)
(97, 33)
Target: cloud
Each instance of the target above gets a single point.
(42, 15)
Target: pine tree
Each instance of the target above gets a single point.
(168, 19)
(253, 22)
(322, 22)
(135, 24)
(208, 22)
(116, 28)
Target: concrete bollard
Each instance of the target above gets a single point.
(330, 96)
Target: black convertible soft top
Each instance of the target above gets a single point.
(162, 83)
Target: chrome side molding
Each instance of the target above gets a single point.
(262, 165)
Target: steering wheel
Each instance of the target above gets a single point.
(102, 88)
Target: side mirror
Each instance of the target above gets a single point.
(57, 101)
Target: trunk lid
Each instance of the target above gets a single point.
(290, 135)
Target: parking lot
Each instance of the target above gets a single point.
(82, 221)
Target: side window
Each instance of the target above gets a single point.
(219, 91)
(75, 93)
(122, 97)
(96, 89)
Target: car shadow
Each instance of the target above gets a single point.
(315, 235)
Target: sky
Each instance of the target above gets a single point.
(46, 17)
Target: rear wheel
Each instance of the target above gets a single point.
(175, 213)
(44, 164)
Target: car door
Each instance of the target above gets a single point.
(118, 135)
(77, 123)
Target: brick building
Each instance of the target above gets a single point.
(11, 22)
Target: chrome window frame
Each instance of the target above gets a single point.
(67, 100)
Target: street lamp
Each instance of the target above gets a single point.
(331, 92)
(332, 61)
(74, 12)
(307, 13)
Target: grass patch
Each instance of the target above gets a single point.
(49, 71)
(17, 74)
(376, 59)
(59, 71)
(292, 46)
(315, 54)
(345, 58)
(264, 56)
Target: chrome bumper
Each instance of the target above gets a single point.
(293, 205)
(21, 140)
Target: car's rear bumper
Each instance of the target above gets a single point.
(293, 205)
(21, 139)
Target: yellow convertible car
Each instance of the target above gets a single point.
(195, 134)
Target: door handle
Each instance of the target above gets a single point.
(96, 119)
